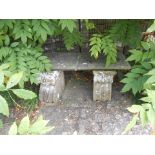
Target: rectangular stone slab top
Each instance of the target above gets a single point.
(73, 61)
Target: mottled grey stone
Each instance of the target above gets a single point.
(99, 117)
(102, 86)
(85, 112)
(69, 61)
(95, 127)
(52, 86)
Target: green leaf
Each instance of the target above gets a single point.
(45, 25)
(7, 40)
(14, 80)
(151, 95)
(24, 38)
(14, 44)
(131, 124)
(139, 70)
(126, 87)
(1, 78)
(150, 80)
(143, 117)
(135, 108)
(151, 72)
(39, 127)
(145, 45)
(13, 129)
(135, 56)
(4, 109)
(127, 80)
(2, 87)
(4, 66)
(146, 106)
(43, 35)
(146, 99)
(24, 94)
(67, 23)
(132, 75)
(151, 115)
(152, 27)
(24, 125)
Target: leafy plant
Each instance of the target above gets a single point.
(21, 44)
(105, 45)
(144, 112)
(136, 79)
(70, 39)
(68, 24)
(27, 127)
(128, 32)
(146, 58)
(8, 81)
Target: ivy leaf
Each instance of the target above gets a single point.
(4, 109)
(13, 129)
(24, 126)
(24, 94)
(14, 80)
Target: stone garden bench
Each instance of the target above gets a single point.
(53, 83)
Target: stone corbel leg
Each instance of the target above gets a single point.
(52, 86)
(102, 87)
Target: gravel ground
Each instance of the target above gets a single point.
(78, 114)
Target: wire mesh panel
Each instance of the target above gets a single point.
(56, 44)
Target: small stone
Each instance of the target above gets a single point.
(99, 117)
(118, 116)
(109, 106)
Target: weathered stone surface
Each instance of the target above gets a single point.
(102, 85)
(96, 118)
(52, 85)
(73, 61)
